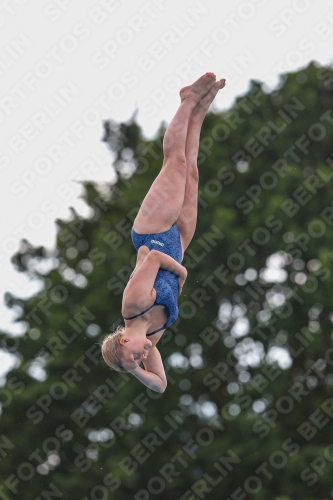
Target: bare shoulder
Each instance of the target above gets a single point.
(140, 293)
(133, 303)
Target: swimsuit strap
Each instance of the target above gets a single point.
(140, 314)
(152, 333)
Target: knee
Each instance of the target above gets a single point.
(176, 159)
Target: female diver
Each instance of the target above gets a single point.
(161, 233)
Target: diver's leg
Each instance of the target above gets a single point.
(163, 203)
(187, 219)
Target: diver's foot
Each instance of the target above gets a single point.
(208, 98)
(199, 88)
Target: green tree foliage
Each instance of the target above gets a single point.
(248, 409)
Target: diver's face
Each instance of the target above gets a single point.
(135, 351)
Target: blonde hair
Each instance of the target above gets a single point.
(112, 349)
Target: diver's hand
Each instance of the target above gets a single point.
(182, 279)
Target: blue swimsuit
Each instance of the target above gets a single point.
(166, 282)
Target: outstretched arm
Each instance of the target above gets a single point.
(154, 375)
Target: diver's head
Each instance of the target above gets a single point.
(125, 349)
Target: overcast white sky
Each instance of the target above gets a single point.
(66, 65)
